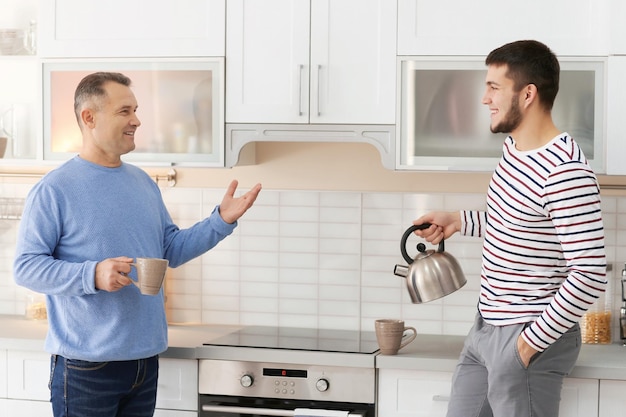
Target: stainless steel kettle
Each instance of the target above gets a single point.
(431, 274)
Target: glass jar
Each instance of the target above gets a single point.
(36, 306)
(595, 325)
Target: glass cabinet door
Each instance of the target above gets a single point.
(444, 125)
(19, 108)
(180, 106)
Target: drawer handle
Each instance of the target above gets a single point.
(441, 398)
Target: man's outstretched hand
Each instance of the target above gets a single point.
(231, 207)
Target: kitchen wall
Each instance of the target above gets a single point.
(315, 256)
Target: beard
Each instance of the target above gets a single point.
(512, 118)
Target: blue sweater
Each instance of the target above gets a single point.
(80, 214)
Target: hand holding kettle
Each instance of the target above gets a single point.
(443, 225)
(430, 274)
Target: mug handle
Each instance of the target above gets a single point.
(133, 264)
(410, 338)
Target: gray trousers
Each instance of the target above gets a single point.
(490, 379)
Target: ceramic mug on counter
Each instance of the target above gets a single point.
(390, 334)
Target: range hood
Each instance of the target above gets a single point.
(381, 136)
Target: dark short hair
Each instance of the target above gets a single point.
(92, 86)
(530, 62)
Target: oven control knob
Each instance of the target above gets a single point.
(322, 384)
(246, 381)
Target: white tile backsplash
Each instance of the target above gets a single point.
(315, 259)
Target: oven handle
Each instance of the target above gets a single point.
(258, 411)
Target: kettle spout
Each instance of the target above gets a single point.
(401, 271)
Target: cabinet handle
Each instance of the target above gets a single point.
(300, 69)
(441, 398)
(319, 70)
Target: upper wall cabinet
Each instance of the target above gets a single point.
(311, 61)
(617, 11)
(131, 28)
(457, 27)
(20, 107)
(616, 103)
(181, 108)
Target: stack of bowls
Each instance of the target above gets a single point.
(11, 41)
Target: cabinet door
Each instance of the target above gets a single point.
(29, 375)
(413, 393)
(616, 102)
(24, 408)
(612, 398)
(20, 107)
(579, 398)
(181, 108)
(350, 78)
(470, 29)
(3, 374)
(178, 384)
(267, 64)
(131, 28)
(353, 61)
(617, 11)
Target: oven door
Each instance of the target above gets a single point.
(226, 406)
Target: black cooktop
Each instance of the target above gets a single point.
(294, 338)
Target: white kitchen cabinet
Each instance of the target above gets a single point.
(20, 107)
(29, 372)
(458, 27)
(410, 393)
(181, 108)
(27, 393)
(616, 103)
(579, 398)
(178, 387)
(131, 28)
(442, 124)
(25, 408)
(612, 398)
(311, 61)
(617, 11)
(3, 374)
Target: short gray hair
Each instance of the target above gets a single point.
(91, 86)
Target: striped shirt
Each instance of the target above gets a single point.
(543, 258)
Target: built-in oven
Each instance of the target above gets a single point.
(266, 371)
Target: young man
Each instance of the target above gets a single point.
(543, 259)
(83, 224)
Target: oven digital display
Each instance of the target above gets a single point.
(288, 373)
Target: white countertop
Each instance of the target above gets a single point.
(17, 332)
(440, 353)
(425, 353)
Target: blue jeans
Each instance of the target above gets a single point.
(103, 389)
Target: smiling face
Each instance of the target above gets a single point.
(109, 125)
(502, 99)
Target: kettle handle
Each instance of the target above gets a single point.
(408, 233)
